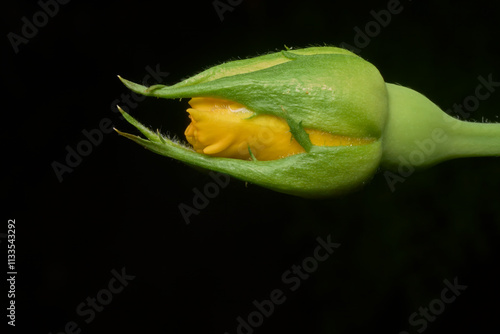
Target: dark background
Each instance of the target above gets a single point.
(119, 207)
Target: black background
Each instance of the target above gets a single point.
(119, 207)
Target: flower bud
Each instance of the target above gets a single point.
(312, 122)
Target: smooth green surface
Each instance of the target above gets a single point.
(420, 133)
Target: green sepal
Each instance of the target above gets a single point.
(323, 172)
(331, 90)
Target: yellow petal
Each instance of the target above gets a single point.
(225, 128)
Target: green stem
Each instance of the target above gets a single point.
(468, 139)
(420, 134)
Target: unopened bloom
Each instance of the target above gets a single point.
(311, 122)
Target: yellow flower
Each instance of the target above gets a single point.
(223, 128)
